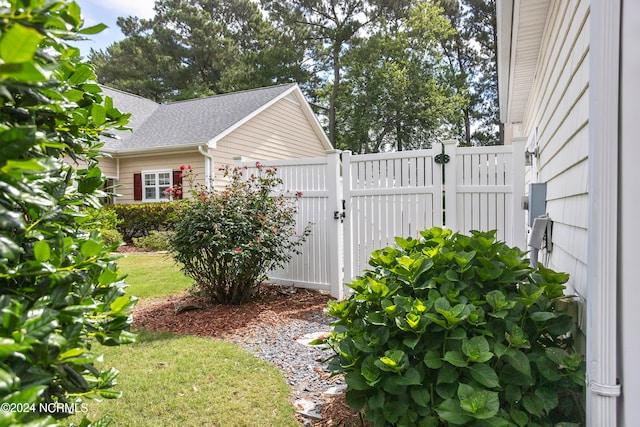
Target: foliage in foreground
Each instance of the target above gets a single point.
(59, 286)
(457, 330)
(227, 241)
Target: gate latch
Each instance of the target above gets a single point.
(441, 159)
(341, 215)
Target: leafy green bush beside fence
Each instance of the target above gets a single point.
(457, 330)
(139, 220)
(228, 240)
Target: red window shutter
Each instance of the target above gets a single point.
(137, 186)
(177, 184)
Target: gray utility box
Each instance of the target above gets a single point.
(537, 200)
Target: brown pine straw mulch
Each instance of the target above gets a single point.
(225, 322)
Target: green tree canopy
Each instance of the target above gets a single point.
(198, 48)
(435, 82)
(394, 95)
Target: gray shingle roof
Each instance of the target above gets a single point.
(196, 121)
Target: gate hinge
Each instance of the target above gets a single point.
(441, 159)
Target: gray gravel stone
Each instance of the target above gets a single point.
(303, 366)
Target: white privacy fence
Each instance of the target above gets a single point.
(362, 203)
(387, 195)
(318, 266)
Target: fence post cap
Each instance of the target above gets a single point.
(450, 142)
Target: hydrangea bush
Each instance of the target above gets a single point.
(450, 329)
(228, 240)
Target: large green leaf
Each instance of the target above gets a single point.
(19, 44)
(420, 395)
(356, 381)
(449, 410)
(484, 375)
(456, 359)
(477, 349)
(42, 250)
(519, 361)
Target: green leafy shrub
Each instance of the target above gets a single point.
(104, 220)
(139, 220)
(155, 241)
(111, 237)
(457, 330)
(60, 289)
(100, 219)
(227, 241)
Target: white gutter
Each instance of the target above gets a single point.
(504, 16)
(602, 290)
(208, 166)
(150, 151)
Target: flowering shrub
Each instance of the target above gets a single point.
(228, 240)
(177, 191)
(457, 330)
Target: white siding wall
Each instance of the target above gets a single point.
(558, 113)
(280, 132)
(109, 167)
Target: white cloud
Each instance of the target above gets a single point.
(139, 8)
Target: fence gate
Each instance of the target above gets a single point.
(387, 195)
(319, 265)
(380, 196)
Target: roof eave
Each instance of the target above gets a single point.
(306, 108)
(154, 150)
(504, 15)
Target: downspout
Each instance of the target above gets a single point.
(602, 281)
(208, 166)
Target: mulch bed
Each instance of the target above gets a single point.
(226, 322)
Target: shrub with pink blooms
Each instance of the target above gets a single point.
(228, 240)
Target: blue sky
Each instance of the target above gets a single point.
(107, 12)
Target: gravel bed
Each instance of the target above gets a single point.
(303, 366)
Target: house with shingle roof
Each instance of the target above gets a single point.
(269, 123)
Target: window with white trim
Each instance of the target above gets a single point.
(155, 184)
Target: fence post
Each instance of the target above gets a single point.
(348, 223)
(519, 230)
(334, 204)
(450, 186)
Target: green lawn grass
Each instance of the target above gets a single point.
(152, 275)
(172, 380)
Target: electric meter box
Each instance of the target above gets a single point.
(537, 200)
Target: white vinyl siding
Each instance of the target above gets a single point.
(282, 131)
(557, 112)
